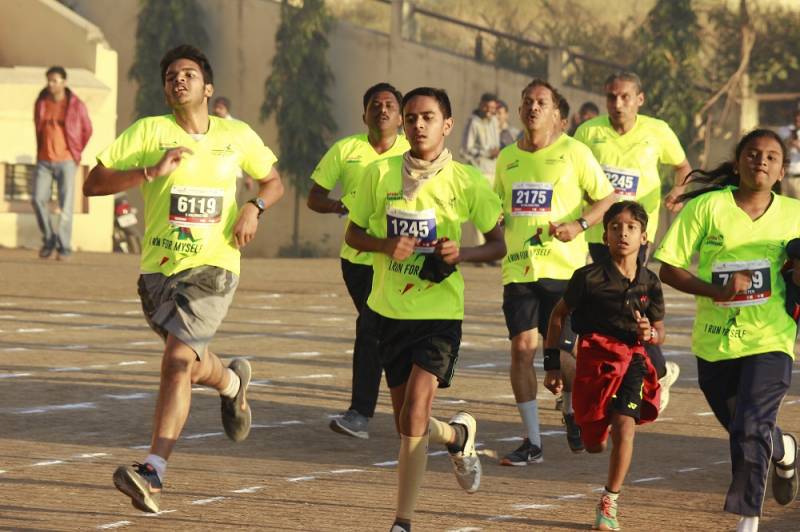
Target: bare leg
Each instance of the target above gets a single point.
(179, 369)
(521, 372)
(623, 429)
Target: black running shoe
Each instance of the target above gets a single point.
(236, 415)
(140, 482)
(785, 489)
(525, 454)
(573, 434)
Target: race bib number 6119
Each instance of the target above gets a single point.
(195, 206)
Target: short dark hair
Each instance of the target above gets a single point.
(538, 82)
(223, 100)
(187, 51)
(440, 95)
(589, 106)
(633, 207)
(563, 108)
(57, 70)
(502, 105)
(382, 87)
(625, 75)
(488, 97)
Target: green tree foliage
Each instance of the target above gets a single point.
(670, 45)
(296, 92)
(162, 25)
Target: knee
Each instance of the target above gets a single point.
(522, 352)
(177, 361)
(416, 411)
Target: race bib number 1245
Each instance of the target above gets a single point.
(417, 224)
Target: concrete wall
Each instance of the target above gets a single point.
(26, 51)
(242, 46)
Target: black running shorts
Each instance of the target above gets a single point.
(430, 344)
(528, 306)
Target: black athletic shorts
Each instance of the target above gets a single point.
(529, 305)
(628, 399)
(430, 344)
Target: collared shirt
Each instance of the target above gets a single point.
(604, 301)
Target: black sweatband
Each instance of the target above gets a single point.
(552, 359)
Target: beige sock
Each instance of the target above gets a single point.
(412, 462)
(440, 432)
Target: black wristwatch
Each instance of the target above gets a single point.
(260, 205)
(583, 223)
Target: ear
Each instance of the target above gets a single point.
(448, 126)
(640, 98)
(781, 174)
(364, 118)
(208, 91)
(644, 237)
(605, 237)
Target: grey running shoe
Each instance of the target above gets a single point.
(669, 378)
(466, 463)
(559, 404)
(400, 527)
(573, 433)
(525, 454)
(785, 489)
(140, 482)
(236, 415)
(351, 424)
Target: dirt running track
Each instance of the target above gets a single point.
(79, 371)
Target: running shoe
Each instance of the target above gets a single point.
(669, 378)
(401, 527)
(525, 454)
(785, 489)
(352, 423)
(573, 433)
(140, 482)
(559, 404)
(466, 463)
(606, 514)
(236, 415)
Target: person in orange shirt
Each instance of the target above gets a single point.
(63, 129)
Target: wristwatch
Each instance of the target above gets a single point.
(260, 205)
(583, 223)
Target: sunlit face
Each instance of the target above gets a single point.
(56, 85)
(383, 112)
(760, 164)
(623, 101)
(538, 111)
(184, 84)
(425, 127)
(624, 235)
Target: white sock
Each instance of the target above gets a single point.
(789, 453)
(747, 524)
(233, 385)
(158, 463)
(530, 418)
(566, 405)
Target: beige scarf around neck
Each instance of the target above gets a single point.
(417, 172)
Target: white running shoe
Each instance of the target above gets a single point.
(467, 464)
(673, 371)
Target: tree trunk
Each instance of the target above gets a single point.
(296, 223)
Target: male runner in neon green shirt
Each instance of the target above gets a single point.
(541, 180)
(186, 164)
(345, 164)
(409, 210)
(630, 146)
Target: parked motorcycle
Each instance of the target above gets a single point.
(126, 233)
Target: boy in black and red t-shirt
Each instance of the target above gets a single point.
(617, 306)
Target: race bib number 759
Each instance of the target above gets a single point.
(760, 285)
(416, 224)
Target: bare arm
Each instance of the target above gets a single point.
(270, 189)
(567, 231)
(493, 249)
(103, 181)
(553, 379)
(399, 248)
(685, 281)
(318, 201)
(679, 187)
